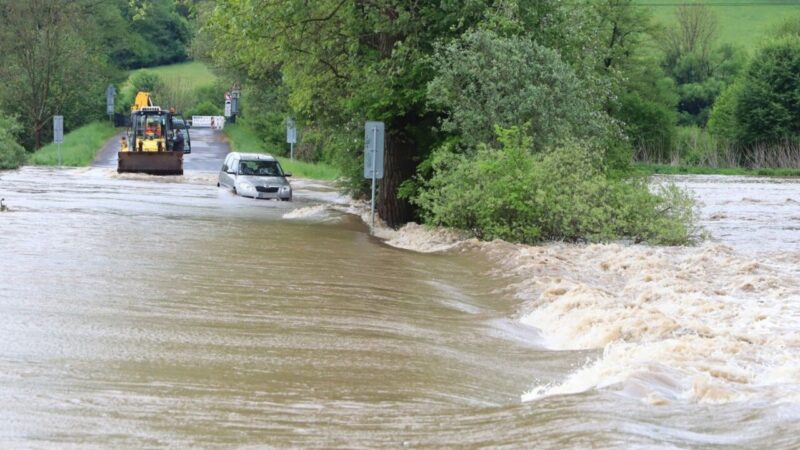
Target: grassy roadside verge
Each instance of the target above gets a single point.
(243, 139)
(79, 148)
(666, 169)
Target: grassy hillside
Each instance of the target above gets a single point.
(741, 22)
(193, 74)
(79, 147)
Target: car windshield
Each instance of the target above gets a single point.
(260, 168)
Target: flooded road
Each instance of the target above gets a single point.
(144, 312)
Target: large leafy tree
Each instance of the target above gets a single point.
(345, 61)
(484, 79)
(50, 63)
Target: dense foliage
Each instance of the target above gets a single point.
(562, 193)
(12, 155)
(484, 79)
(768, 106)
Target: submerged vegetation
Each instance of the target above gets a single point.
(560, 193)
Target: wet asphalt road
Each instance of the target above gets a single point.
(209, 148)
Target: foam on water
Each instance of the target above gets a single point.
(707, 324)
(306, 212)
(698, 324)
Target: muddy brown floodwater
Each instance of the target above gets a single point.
(140, 312)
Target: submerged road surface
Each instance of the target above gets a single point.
(144, 312)
(209, 148)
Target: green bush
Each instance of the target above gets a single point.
(695, 146)
(12, 154)
(144, 80)
(561, 194)
(722, 123)
(204, 108)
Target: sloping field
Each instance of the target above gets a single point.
(741, 22)
(193, 74)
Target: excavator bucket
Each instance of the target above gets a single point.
(153, 163)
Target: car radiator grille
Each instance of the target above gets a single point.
(271, 190)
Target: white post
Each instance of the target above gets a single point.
(59, 154)
(374, 157)
(291, 150)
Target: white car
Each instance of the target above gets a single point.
(256, 175)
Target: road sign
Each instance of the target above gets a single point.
(373, 145)
(291, 132)
(373, 158)
(58, 134)
(110, 93)
(58, 129)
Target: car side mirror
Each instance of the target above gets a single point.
(231, 172)
(287, 174)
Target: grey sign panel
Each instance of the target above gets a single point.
(291, 132)
(373, 149)
(110, 93)
(58, 129)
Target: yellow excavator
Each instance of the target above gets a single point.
(155, 141)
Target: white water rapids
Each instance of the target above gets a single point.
(714, 323)
(140, 311)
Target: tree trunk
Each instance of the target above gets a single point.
(37, 134)
(398, 166)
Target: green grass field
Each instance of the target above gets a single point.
(740, 22)
(194, 74)
(79, 147)
(243, 139)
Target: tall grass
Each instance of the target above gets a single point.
(696, 151)
(243, 139)
(79, 147)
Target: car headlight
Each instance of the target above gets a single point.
(285, 189)
(245, 186)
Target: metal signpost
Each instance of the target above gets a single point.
(58, 134)
(236, 93)
(373, 158)
(110, 93)
(291, 136)
(228, 111)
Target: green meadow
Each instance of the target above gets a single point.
(743, 23)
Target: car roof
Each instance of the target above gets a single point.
(254, 156)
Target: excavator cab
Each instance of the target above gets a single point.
(152, 144)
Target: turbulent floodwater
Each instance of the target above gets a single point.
(143, 312)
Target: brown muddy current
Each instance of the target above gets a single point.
(140, 312)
